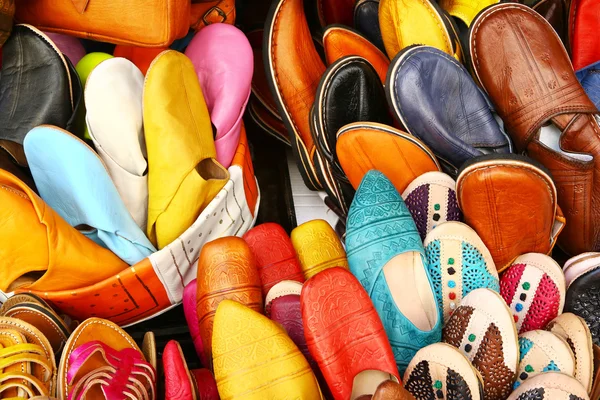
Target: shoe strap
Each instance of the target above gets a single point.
(16, 382)
(102, 377)
(25, 353)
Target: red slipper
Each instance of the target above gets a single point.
(205, 383)
(178, 381)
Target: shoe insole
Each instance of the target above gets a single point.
(550, 137)
(409, 285)
(366, 382)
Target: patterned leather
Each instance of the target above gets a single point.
(583, 299)
(254, 358)
(343, 331)
(380, 227)
(275, 256)
(551, 386)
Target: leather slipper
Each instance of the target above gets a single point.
(114, 119)
(583, 25)
(335, 339)
(340, 41)
(191, 317)
(206, 386)
(491, 191)
(416, 22)
(386, 253)
(363, 146)
(543, 351)
(550, 386)
(274, 254)
(318, 247)
(442, 371)
(556, 12)
(241, 371)
(575, 331)
(431, 200)
(226, 270)
(70, 46)
(142, 57)
(366, 21)
(465, 10)
(179, 384)
(349, 91)
(534, 289)
(30, 56)
(283, 288)
(420, 83)
(482, 328)
(545, 110)
(458, 263)
(293, 72)
(63, 178)
(100, 360)
(582, 274)
(222, 58)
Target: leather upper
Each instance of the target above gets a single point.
(531, 88)
(465, 10)
(70, 46)
(175, 109)
(339, 41)
(104, 21)
(582, 296)
(437, 101)
(178, 380)
(366, 21)
(142, 57)
(29, 56)
(222, 58)
(583, 25)
(556, 12)
(293, 69)
(191, 317)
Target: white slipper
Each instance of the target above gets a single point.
(113, 99)
(550, 386)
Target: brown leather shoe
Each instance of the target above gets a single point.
(293, 68)
(226, 270)
(7, 12)
(511, 204)
(526, 71)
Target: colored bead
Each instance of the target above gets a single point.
(451, 271)
(468, 348)
(516, 317)
(437, 384)
(436, 207)
(439, 394)
(452, 306)
(526, 286)
(519, 307)
(452, 296)
(436, 217)
(529, 368)
(472, 337)
(523, 297)
(451, 261)
(451, 284)
(523, 376)
(516, 385)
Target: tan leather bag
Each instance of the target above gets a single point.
(146, 23)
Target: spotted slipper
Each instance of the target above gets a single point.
(543, 351)
(443, 372)
(458, 262)
(534, 289)
(431, 199)
(575, 331)
(550, 386)
(482, 328)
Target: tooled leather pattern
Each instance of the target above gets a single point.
(320, 249)
(287, 312)
(419, 383)
(489, 361)
(583, 299)
(456, 387)
(544, 307)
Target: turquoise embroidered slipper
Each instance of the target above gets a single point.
(385, 253)
(72, 179)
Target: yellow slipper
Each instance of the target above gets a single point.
(183, 174)
(466, 10)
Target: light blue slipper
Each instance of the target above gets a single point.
(72, 179)
(386, 254)
(589, 77)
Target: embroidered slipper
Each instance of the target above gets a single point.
(534, 289)
(431, 200)
(576, 333)
(550, 386)
(482, 328)
(458, 263)
(441, 371)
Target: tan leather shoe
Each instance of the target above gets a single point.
(293, 68)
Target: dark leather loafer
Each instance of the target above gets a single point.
(350, 91)
(436, 100)
(366, 20)
(29, 58)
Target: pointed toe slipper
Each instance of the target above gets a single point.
(177, 126)
(191, 317)
(243, 371)
(542, 351)
(431, 200)
(420, 83)
(442, 371)
(179, 384)
(458, 263)
(482, 328)
(334, 338)
(364, 146)
(275, 256)
(223, 60)
(318, 247)
(113, 99)
(63, 178)
(387, 256)
(534, 289)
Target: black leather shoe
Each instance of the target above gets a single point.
(366, 21)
